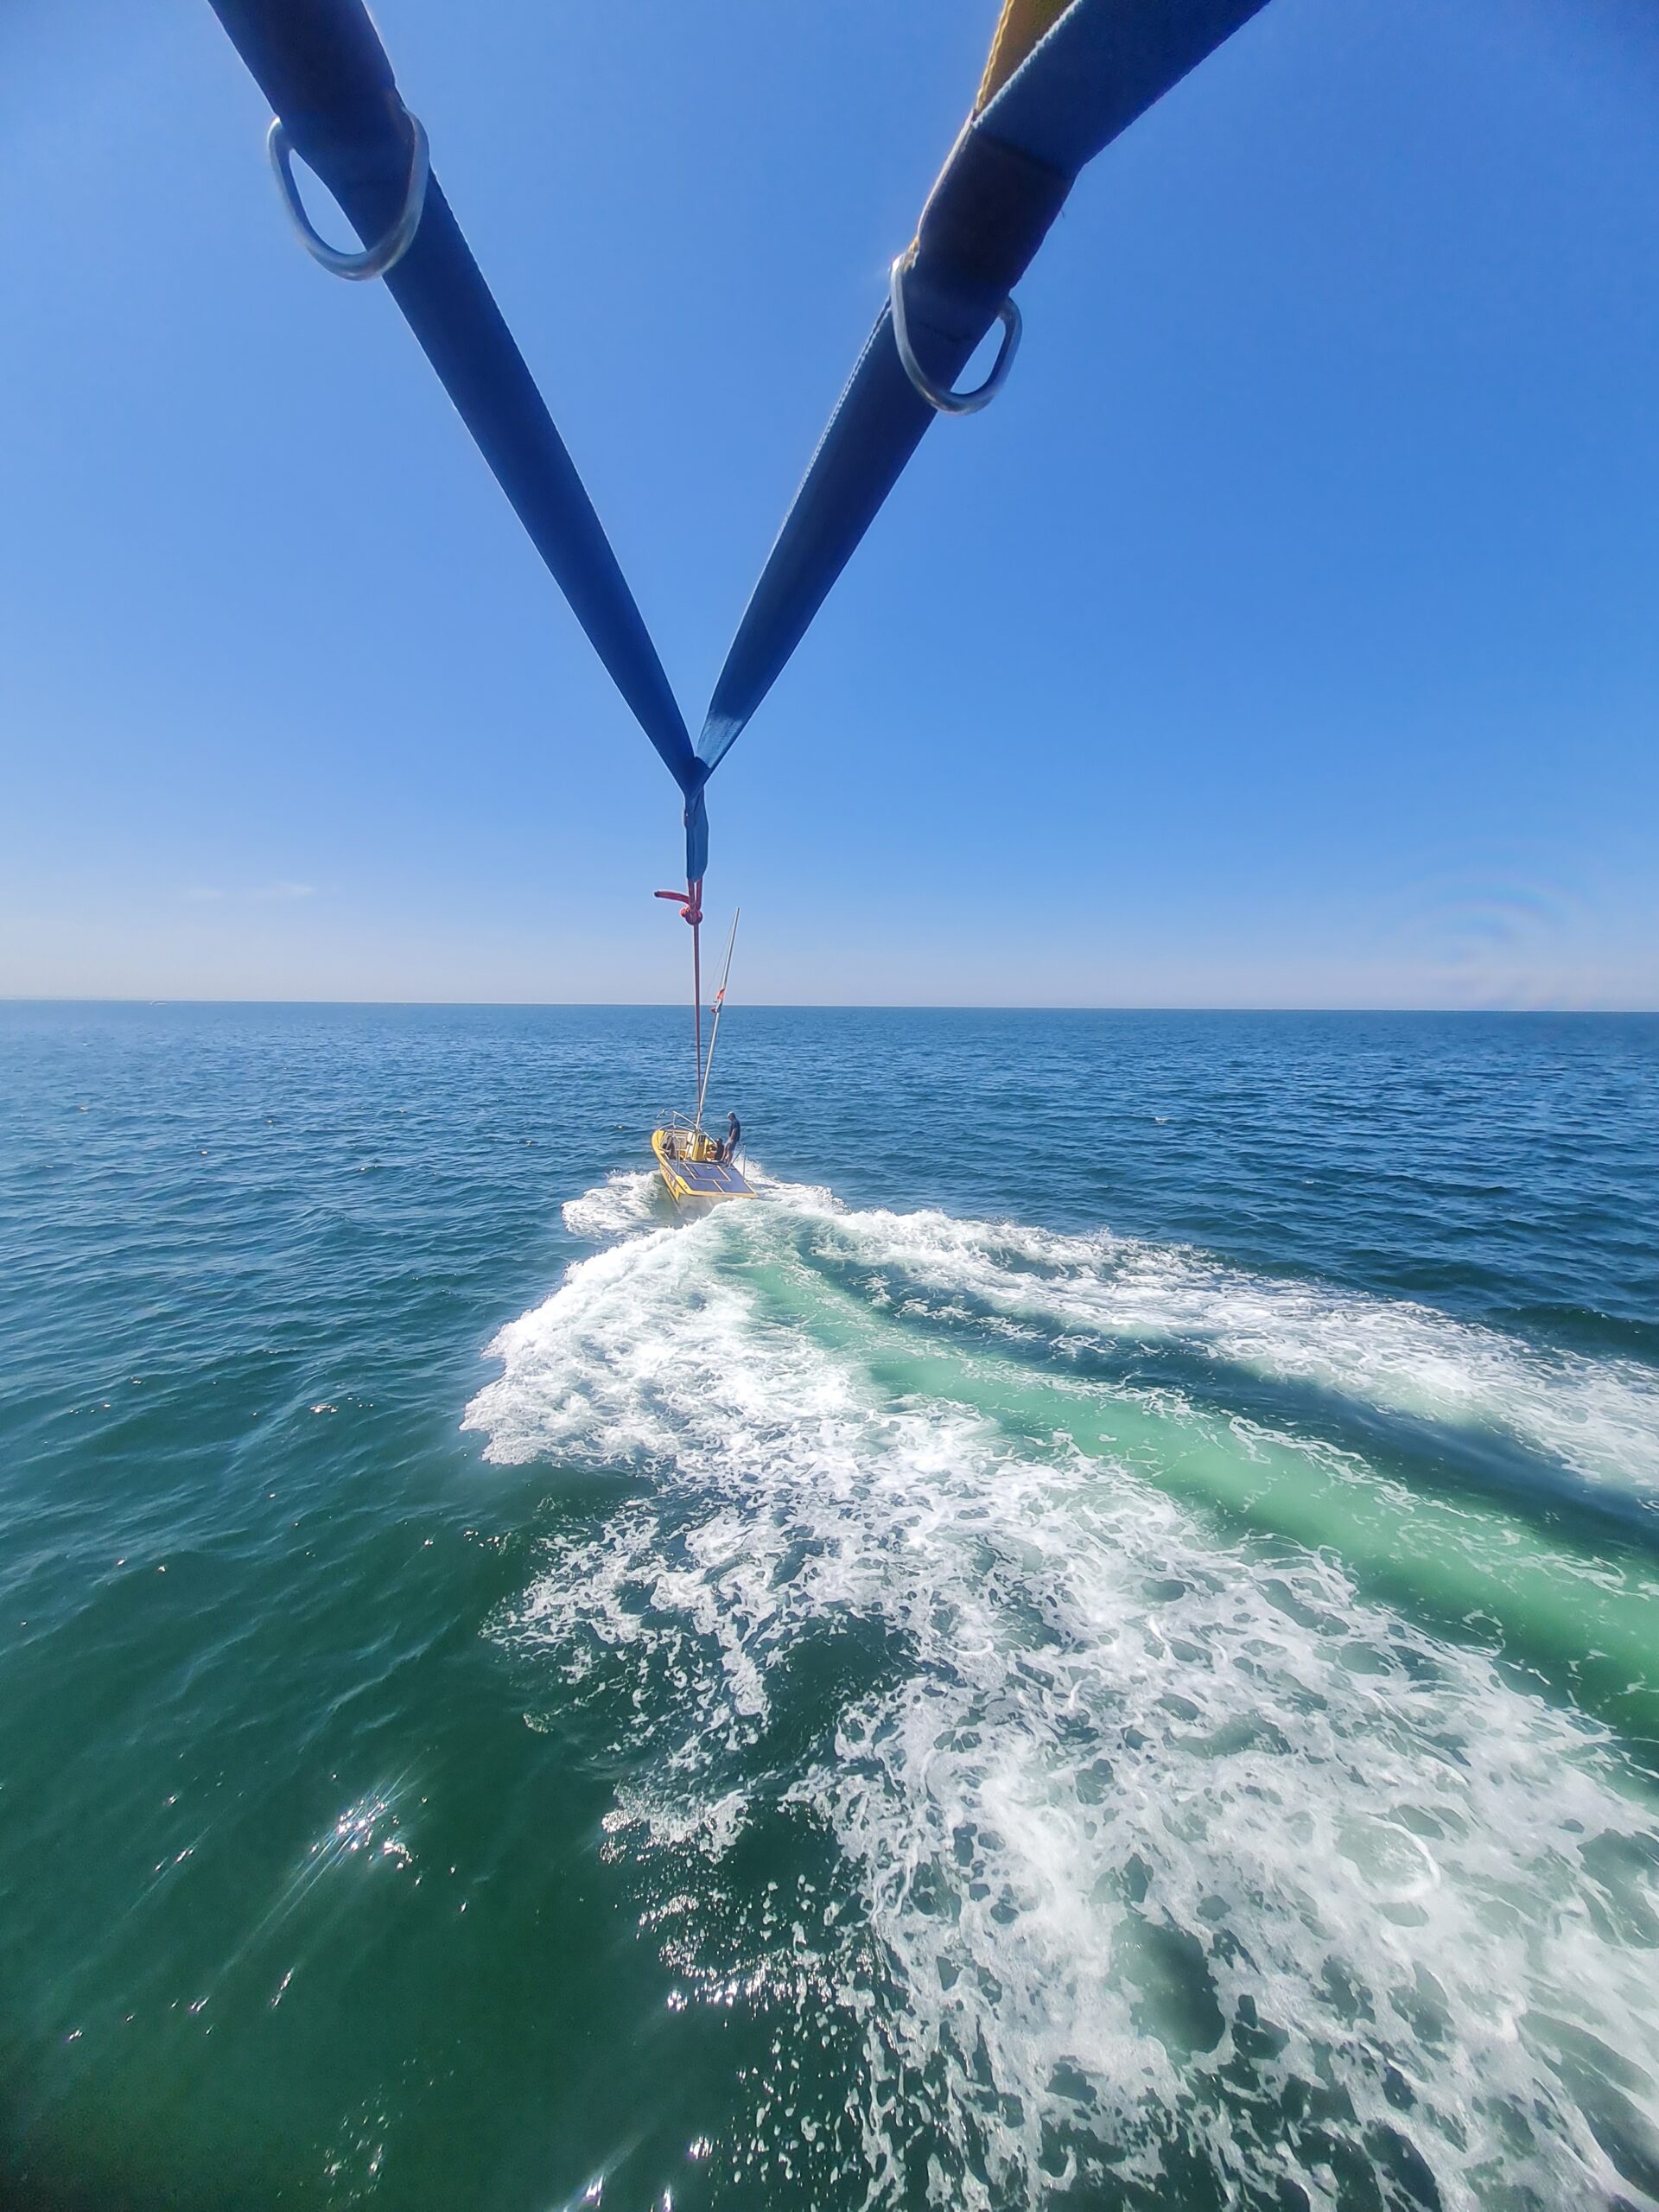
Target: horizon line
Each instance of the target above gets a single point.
(834, 1006)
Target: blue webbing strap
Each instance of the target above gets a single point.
(1103, 63)
(322, 68)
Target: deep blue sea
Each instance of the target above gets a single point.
(1096, 1646)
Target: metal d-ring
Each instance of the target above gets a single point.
(375, 260)
(937, 396)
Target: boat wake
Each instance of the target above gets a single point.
(1103, 1708)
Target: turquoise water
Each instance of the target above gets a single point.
(1099, 1647)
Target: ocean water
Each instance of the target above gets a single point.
(1098, 1647)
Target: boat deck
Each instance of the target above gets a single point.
(702, 1174)
(712, 1179)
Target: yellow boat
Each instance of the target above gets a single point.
(694, 1164)
(696, 1167)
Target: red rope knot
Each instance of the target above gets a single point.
(690, 901)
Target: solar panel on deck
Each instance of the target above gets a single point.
(712, 1179)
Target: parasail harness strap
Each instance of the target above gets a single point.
(1061, 83)
(322, 68)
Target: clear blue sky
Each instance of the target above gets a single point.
(1285, 635)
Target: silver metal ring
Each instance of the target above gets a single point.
(375, 260)
(937, 395)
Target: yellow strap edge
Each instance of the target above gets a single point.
(1021, 24)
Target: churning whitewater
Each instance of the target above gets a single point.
(1180, 1711)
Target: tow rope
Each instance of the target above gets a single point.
(689, 902)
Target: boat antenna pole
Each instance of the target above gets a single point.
(714, 1034)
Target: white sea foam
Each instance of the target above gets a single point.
(619, 1206)
(1598, 1417)
(1159, 1856)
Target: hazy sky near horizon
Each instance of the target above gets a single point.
(1284, 635)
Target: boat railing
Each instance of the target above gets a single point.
(687, 1141)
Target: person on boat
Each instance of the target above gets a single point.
(734, 1137)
